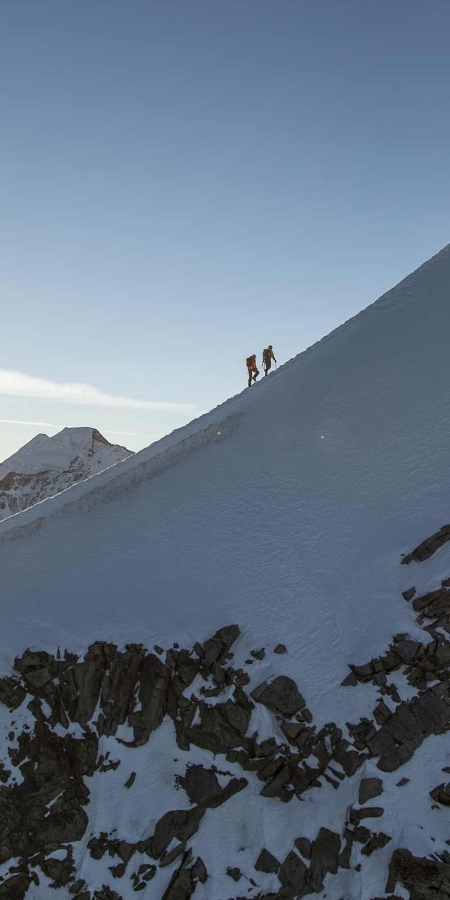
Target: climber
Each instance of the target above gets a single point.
(267, 357)
(251, 368)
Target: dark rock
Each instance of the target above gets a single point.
(441, 794)
(370, 788)
(303, 845)
(280, 648)
(418, 874)
(398, 756)
(215, 649)
(31, 660)
(402, 782)
(147, 871)
(130, 781)
(153, 695)
(223, 727)
(199, 872)
(350, 681)
(363, 673)
(124, 850)
(428, 547)
(268, 768)
(382, 713)
(179, 824)
(187, 671)
(361, 834)
(15, 888)
(106, 893)
(59, 870)
(293, 872)
(350, 760)
(368, 812)
(118, 688)
(266, 862)
(258, 654)
(12, 694)
(409, 594)
(324, 857)
(77, 886)
(345, 855)
(235, 873)
(338, 774)
(168, 858)
(4, 774)
(280, 696)
(119, 870)
(435, 603)
(203, 788)
(377, 841)
(268, 747)
(95, 848)
(407, 650)
(81, 684)
(397, 740)
(292, 730)
(181, 885)
(277, 783)
(52, 775)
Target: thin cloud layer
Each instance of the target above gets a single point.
(19, 384)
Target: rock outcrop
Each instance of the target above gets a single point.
(428, 546)
(76, 703)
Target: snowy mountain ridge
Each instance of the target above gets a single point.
(398, 297)
(46, 466)
(222, 682)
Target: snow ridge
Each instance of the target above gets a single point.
(408, 292)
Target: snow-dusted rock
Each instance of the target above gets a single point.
(46, 466)
(280, 695)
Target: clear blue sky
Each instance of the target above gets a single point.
(184, 182)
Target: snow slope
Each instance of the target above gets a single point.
(46, 466)
(285, 510)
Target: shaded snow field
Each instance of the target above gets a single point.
(286, 511)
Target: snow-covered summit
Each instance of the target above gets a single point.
(48, 465)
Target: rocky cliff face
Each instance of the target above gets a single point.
(74, 721)
(46, 466)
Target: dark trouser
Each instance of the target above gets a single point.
(252, 373)
(267, 366)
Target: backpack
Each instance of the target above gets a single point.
(250, 361)
(266, 355)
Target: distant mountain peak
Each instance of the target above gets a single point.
(48, 465)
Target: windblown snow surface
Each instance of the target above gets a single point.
(285, 510)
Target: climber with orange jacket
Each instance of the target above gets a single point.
(252, 369)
